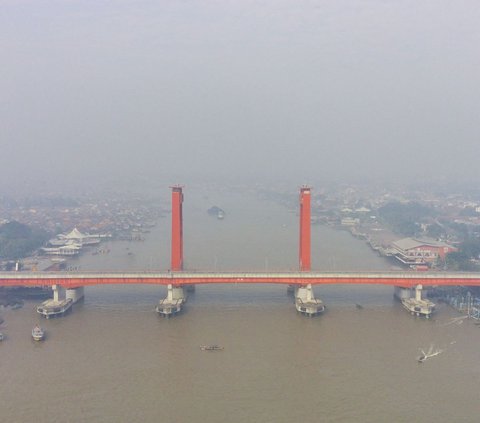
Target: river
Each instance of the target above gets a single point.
(114, 360)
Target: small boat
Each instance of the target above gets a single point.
(211, 347)
(430, 353)
(216, 211)
(2, 336)
(38, 333)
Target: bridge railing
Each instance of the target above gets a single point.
(75, 279)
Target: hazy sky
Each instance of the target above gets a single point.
(295, 89)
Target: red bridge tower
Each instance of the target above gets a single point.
(177, 229)
(304, 251)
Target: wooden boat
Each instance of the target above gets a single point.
(38, 333)
(211, 347)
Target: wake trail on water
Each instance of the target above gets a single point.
(432, 352)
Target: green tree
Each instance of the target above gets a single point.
(471, 247)
(458, 260)
(404, 218)
(435, 230)
(18, 240)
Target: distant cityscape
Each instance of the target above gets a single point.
(64, 226)
(419, 230)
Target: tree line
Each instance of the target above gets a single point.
(18, 240)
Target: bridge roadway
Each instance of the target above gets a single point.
(78, 279)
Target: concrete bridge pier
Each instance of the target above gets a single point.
(173, 303)
(401, 293)
(75, 294)
(189, 288)
(416, 305)
(305, 301)
(59, 305)
(58, 293)
(418, 292)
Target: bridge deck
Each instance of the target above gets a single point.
(76, 279)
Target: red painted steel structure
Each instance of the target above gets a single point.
(177, 277)
(304, 250)
(72, 280)
(177, 229)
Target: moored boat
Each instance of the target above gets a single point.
(169, 307)
(216, 211)
(419, 307)
(310, 307)
(38, 334)
(52, 308)
(211, 347)
(2, 336)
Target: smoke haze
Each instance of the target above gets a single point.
(234, 90)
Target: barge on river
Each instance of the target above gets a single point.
(419, 307)
(311, 307)
(52, 308)
(169, 307)
(214, 347)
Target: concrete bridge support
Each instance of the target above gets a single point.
(58, 293)
(173, 303)
(418, 292)
(58, 306)
(76, 294)
(305, 301)
(401, 293)
(416, 305)
(62, 294)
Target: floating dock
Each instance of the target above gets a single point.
(311, 307)
(53, 308)
(417, 305)
(167, 307)
(306, 303)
